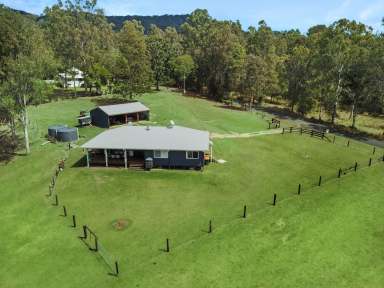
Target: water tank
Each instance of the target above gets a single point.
(67, 135)
(52, 130)
(148, 164)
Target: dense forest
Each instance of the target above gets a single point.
(340, 66)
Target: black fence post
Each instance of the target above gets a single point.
(299, 190)
(64, 211)
(339, 173)
(245, 211)
(301, 130)
(269, 125)
(96, 244)
(84, 232)
(334, 138)
(274, 199)
(210, 226)
(356, 166)
(56, 201)
(311, 133)
(320, 178)
(370, 162)
(74, 221)
(116, 268)
(290, 129)
(283, 130)
(167, 248)
(348, 143)
(383, 157)
(374, 150)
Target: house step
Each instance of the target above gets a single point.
(137, 165)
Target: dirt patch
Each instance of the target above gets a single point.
(121, 224)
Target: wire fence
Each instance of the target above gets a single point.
(247, 210)
(331, 138)
(88, 236)
(94, 244)
(311, 132)
(352, 168)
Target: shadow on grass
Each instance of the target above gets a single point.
(61, 93)
(112, 101)
(234, 108)
(81, 163)
(9, 146)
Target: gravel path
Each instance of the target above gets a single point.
(246, 135)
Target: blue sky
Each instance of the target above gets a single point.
(280, 15)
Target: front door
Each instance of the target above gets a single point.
(138, 154)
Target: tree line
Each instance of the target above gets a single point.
(333, 67)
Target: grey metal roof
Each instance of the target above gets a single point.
(125, 108)
(176, 138)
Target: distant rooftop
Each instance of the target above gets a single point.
(174, 138)
(125, 108)
(76, 73)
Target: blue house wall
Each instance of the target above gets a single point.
(176, 159)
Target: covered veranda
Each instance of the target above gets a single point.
(114, 158)
(126, 118)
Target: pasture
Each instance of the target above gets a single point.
(323, 237)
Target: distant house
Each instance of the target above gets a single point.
(139, 146)
(107, 116)
(72, 79)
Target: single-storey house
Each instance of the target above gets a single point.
(107, 116)
(72, 78)
(137, 146)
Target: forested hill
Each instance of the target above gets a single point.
(20, 12)
(162, 21)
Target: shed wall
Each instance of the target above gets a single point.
(99, 118)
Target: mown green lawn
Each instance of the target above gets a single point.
(201, 114)
(165, 106)
(328, 237)
(179, 204)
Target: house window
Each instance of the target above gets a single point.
(160, 154)
(192, 154)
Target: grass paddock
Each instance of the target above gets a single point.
(327, 236)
